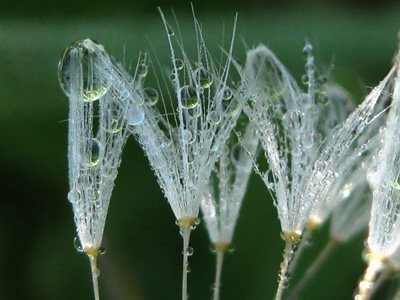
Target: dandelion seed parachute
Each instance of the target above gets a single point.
(225, 192)
(182, 146)
(97, 134)
(302, 166)
(383, 237)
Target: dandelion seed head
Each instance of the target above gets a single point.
(183, 146)
(97, 134)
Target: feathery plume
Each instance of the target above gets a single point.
(224, 194)
(302, 165)
(383, 237)
(97, 134)
(183, 146)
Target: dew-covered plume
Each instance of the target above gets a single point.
(183, 133)
(225, 191)
(304, 159)
(96, 136)
(384, 225)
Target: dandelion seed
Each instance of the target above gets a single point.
(97, 134)
(383, 238)
(224, 195)
(183, 147)
(303, 167)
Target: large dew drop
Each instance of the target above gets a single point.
(189, 97)
(84, 55)
(134, 115)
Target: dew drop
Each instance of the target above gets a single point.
(178, 64)
(142, 70)
(189, 251)
(102, 250)
(134, 114)
(82, 54)
(170, 31)
(214, 118)
(307, 50)
(189, 97)
(235, 154)
(187, 136)
(74, 196)
(94, 158)
(227, 94)
(204, 78)
(150, 95)
(77, 244)
(305, 79)
(231, 107)
(194, 112)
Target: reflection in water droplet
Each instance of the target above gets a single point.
(77, 244)
(188, 97)
(94, 153)
(134, 114)
(204, 78)
(150, 95)
(82, 55)
(141, 70)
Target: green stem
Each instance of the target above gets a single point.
(313, 269)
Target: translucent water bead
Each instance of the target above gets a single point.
(86, 53)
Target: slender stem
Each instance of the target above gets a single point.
(186, 252)
(316, 265)
(366, 284)
(95, 276)
(283, 280)
(220, 251)
(311, 226)
(291, 238)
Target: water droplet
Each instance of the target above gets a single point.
(189, 251)
(141, 70)
(189, 97)
(307, 50)
(102, 250)
(235, 154)
(227, 94)
(77, 244)
(204, 78)
(94, 158)
(134, 114)
(170, 31)
(231, 107)
(214, 118)
(150, 95)
(187, 136)
(85, 54)
(74, 196)
(194, 112)
(305, 79)
(178, 63)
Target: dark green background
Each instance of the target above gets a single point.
(143, 260)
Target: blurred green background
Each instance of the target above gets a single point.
(143, 260)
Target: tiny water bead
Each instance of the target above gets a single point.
(77, 244)
(178, 63)
(150, 95)
(84, 54)
(142, 70)
(134, 115)
(188, 137)
(189, 98)
(307, 50)
(94, 158)
(194, 112)
(203, 77)
(214, 118)
(227, 94)
(74, 196)
(170, 31)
